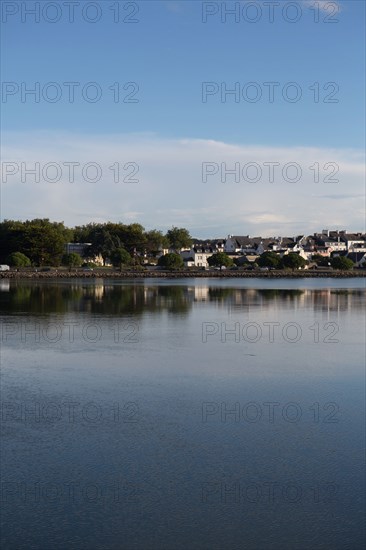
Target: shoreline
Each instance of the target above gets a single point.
(182, 274)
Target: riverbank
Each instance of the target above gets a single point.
(108, 274)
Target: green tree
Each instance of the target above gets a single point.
(11, 238)
(103, 242)
(133, 237)
(269, 259)
(120, 257)
(171, 261)
(105, 238)
(341, 262)
(179, 238)
(320, 260)
(220, 259)
(17, 259)
(293, 261)
(44, 241)
(72, 260)
(155, 241)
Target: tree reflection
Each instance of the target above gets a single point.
(107, 298)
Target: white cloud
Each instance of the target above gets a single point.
(170, 188)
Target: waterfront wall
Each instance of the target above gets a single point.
(101, 274)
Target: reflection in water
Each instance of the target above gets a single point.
(204, 463)
(136, 299)
(4, 286)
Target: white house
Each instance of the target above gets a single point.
(355, 242)
(298, 249)
(339, 241)
(197, 257)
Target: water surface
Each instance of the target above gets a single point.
(201, 414)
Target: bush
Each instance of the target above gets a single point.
(17, 259)
(269, 259)
(71, 260)
(293, 261)
(220, 259)
(341, 262)
(171, 261)
(120, 257)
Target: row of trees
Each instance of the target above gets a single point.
(175, 261)
(267, 259)
(294, 261)
(41, 242)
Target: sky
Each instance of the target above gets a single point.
(241, 117)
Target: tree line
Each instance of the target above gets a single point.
(41, 242)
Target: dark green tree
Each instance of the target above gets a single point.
(72, 260)
(220, 259)
(320, 260)
(179, 238)
(103, 242)
(133, 238)
(120, 257)
(269, 259)
(341, 262)
(155, 241)
(44, 241)
(11, 238)
(171, 261)
(293, 261)
(104, 238)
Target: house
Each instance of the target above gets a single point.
(78, 248)
(359, 258)
(355, 242)
(217, 245)
(197, 256)
(235, 244)
(331, 239)
(245, 245)
(83, 250)
(339, 241)
(297, 248)
(324, 251)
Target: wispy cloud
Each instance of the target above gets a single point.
(341, 197)
(171, 190)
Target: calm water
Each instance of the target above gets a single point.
(199, 414)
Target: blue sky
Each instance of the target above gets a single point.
(170, 132)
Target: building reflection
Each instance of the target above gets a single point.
(137, 299)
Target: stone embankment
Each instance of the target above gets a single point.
(108, 274)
